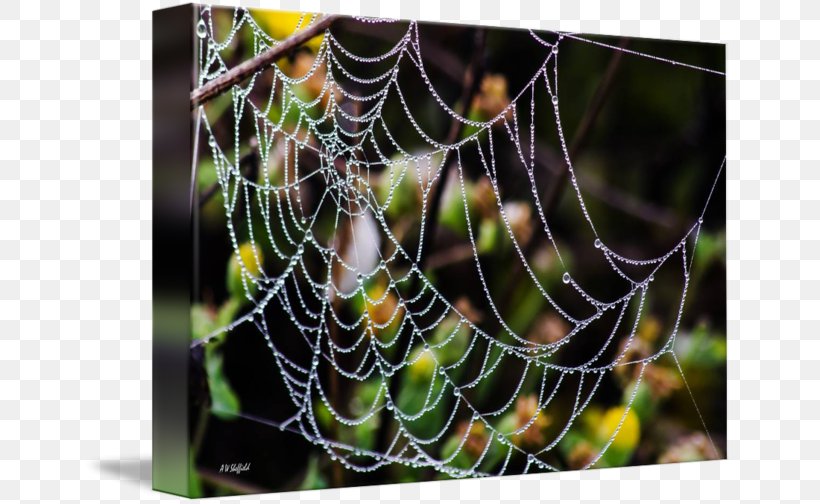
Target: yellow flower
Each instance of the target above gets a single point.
(246, 256)
(422, 366)
(630, 432)
(248, 252)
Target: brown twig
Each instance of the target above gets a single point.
(244, 70)
(585, 127)
(550, 203)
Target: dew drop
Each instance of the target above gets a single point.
(597, 243)
(566, 278)
(359, 277)
(456, 391)
(651, 278)
(201, 29)
(308, 235)
(555, 49)
(315, 361)
(389, 405)
(300, 249)
(700, 220)
(555, 100)
(426, 346)
(212, 142)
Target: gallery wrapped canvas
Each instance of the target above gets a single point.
(393, 251)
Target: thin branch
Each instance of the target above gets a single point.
(553, 197)
(585, 127)
(247, 68)
(470, 86)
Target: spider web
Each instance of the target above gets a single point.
(348, 141)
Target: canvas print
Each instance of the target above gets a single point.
(413, 251)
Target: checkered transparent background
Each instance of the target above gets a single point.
(75, 250)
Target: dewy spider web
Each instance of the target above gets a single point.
(348, 143)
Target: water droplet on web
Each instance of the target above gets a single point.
(651, 278)
(389, 405)
(555, 49)
(456, 391)
(212, 141)
(426, 346)
(315, 361)
(700, 220)
(300, 249)
(565, 278)
(308, 235)
(554, 100)
(597, 243)
(201, 29)
(359, 277)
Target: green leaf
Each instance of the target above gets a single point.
(489, 236)
(313, 476)
(202, 321)
(224, 401)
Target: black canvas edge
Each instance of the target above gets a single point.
(172, 231)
